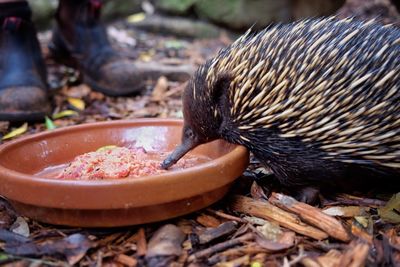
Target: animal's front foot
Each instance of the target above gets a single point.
(309, 195)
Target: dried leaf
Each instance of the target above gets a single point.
(49, 123)
(65, 113)
(362, 220)
(79, 91)
(270, 230)
(271, 237)
(391, 211)
(283, 241)
(160, 89)
(20, 226)
(73, 247)
(76, 103)
(16, 132)
(147, 56)
(347, 212)
(255, 220)
(166, 241)
(4, 126)
(136, 17)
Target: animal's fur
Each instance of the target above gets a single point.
(316, 100)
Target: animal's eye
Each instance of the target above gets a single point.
(189, 133)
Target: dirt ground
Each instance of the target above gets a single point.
(252, 226)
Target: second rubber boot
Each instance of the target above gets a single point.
(82, 42)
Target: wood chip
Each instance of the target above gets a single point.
(126, 260)
(312, 215)
(268, 211)
(214, 233)
(356, 255)
(141, 242)
(208, 221)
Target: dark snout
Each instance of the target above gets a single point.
(187, 145)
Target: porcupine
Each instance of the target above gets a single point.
(316, 100)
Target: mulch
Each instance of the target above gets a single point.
(256, 224)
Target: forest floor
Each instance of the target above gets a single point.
(256, 224)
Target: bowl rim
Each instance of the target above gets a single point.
(20, 178)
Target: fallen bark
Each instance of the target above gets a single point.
(312, 215)
(268, 211)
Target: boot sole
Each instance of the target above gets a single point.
(106, 91)
(60, 54)
(22, 116)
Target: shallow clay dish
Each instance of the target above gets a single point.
(110, 203)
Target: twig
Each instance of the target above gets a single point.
(227, 216)
(299, 257)
(141, 242)
(99, 260)
(221, 246)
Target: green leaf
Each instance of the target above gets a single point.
(3, 257)
(174, 44)
(103, 148)
(136, 17)
(16, 132)
(49, 123)
(256, 264)
(391, 211)
(65, 113)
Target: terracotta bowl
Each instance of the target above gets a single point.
(110, 203)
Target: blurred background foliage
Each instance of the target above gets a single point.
(233, 14)
(236, 15)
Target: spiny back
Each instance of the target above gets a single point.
(332, 83)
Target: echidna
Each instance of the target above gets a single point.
(318, 101)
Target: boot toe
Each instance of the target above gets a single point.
(118, 78)
(23, 103)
